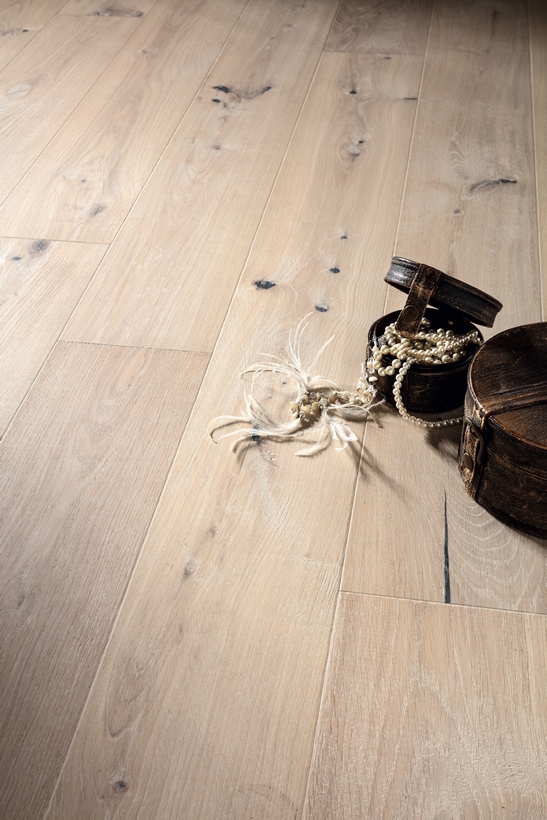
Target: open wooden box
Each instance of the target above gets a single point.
(445, 302)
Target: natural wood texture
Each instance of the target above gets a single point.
(20, 20)
(538, 46)
(459, 216)
(82, 468)
(489, 562)
(228, 526)
(388, 26)
(44, 85)
(431, 711)
(104, 8)
(333, 212)
(504, 467)
(40, 284)
(168, 606)
(86, 180)
(480, 25)
(169, 276)
(467, 205)
(397, 537)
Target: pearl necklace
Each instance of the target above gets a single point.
(428, 347)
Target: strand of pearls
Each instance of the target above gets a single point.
(428, 347)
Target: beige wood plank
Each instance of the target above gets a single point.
(388, 26)
(396, 544)
(40, 284)
(84, 183)
(82, 468)
(229, 613)
(491, 564)
(480, 25)
(538, 47)
(458, 216)
(431, 711)
(43, 85)
(19, 23)
(467, 205)
(170, 274)
(103, 8)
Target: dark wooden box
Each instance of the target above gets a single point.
(456, 305)
(503, 453)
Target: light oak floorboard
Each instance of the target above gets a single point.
(467, 204)
(332, 216)
(206, 702)
(457, 215)
(480, 25)
(20, 21)
(431, 711)
(538, 47)
(170, 274)
(40, 284)
(388, 26)
(82, 467)
(44, 84)
(396, 544)
(491, 564)
(84, 183)
(104, 8)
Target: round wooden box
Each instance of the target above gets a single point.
(456, 305)
(427, 388)
(503, 453)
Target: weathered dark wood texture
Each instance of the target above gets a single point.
(503, 458)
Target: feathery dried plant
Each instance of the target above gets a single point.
(319, 403)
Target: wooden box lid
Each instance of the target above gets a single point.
(508, 381)
(446, 291)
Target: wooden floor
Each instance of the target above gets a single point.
(189, 633)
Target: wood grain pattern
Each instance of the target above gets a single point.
(20, 20)
(415, 719)
(491, 563)
(170, 274)
(390, 26)
(233, 597)
(104, 8)
(459, 216)
(336, 202)
(480, 25)
(467, 205)
(45, 84)
(40, 284)
(82, 468)
(397, 535)
(86, 180)
(538, 47)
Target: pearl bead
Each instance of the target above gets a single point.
(428, 347)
